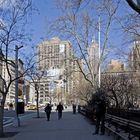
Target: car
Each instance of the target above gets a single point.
(31, 107)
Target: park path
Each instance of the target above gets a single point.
(70, 127)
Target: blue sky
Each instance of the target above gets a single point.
(46, 11)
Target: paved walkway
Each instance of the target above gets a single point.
(70, 127)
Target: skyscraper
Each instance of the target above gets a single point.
(93, 59)
(54, 54)
(134, 56)
(54, 60)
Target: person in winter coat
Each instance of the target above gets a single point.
(100, 110)
(74, 108)
(48, 111)
(59, 109)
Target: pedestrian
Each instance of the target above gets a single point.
(74, 108)
(48, 111)
(100, 110)
(11, 106)
(59, 109)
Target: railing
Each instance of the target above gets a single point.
(125, 113)
(122, 127)
(125, 128)
(87, 112)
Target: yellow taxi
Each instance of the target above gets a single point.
(31, 107)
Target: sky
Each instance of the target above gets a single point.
(45, 11)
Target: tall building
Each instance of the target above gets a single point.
(26, 92)
(30, 94)
(10, 98)
(93, 55)
(21, 80)
(54, 60)
(134, 57)
(54, 54)
(77, 78)
(93, 59)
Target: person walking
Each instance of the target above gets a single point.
(100, 110)
(48, 111)
(59, 109)
(74, 108)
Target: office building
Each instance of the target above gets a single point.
(55, 62)
(134, 57)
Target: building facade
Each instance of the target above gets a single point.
(10, 98)
(77, 79)
(93, 61)
(115, 66)
(55, 61)
(134, 56)
(54, 54)
(93, 57)
(21, 80)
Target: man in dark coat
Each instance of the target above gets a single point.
(74, 108)
(59, 109)
(48, 111)
(100, 110)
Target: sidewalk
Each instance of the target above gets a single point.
(71, 127)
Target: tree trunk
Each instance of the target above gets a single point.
(116, 100)
(2, 116)
(37, 105)
(1, 120)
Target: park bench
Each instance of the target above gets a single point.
(124, 128)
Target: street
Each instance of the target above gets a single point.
(9, 116)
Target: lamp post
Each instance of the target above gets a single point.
(99, 37)
(17, 121)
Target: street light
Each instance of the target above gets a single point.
(17, 121)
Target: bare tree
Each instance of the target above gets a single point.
(120, 87)
(12, 20)
(36, 77)
(80, 26)
(84, 92)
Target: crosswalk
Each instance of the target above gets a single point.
(7, 121)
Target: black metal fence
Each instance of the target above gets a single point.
(129, 114)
